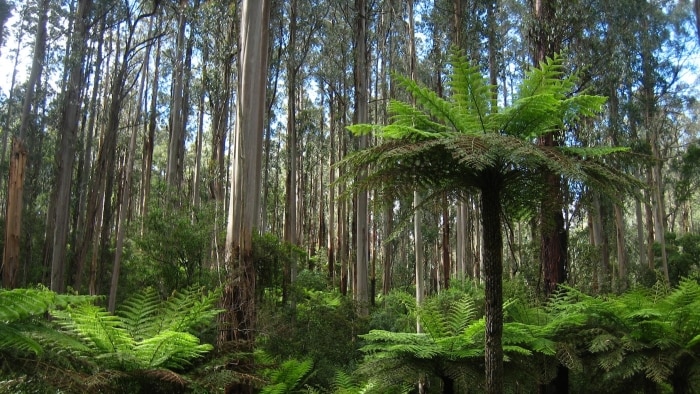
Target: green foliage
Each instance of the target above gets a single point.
(272, 257)
(451, 350)
(21, 315)
(85, 348)
(171, 252)
(446, 144)
(683, 255)
(288, 377)
(643, 337)
(323, 328)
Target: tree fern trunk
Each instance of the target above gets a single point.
(493, 272)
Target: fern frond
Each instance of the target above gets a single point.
(437, 107)
(200, 306)
(15, 337)
(137, 314)
(164, 375)
(97, 328)
(471, 94)
(288, 376)
(18, 304)
(169, 349)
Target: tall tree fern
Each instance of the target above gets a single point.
(462, 142)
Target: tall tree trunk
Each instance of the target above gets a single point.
(420, 258)
(292, 203)
(388, 253)
(150, 134)
(200, 134)
(121, 229)
(13, 217)
(331, 198)
(239, 292)
(601, 244)
(621, 250)
(553, 235)
(179, 107)
(446, 252)
(69, 132)
(362, 116)
(13, 222)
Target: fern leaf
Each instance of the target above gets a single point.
(288, 376)
(96, 327)
(13, 338)
(169, 349)
(137, 314)
(18, 304)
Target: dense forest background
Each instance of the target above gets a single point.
(176, 146)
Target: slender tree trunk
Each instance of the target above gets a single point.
(388, 246)
(150, 135)
(121, 229)
(601, 244)
(200, 134)
(13, 217)
(13, 221)
(78, 266)
(69, 132)
(460, 239)
(446, 252)
(292, 203)
(173, 172)
(332, 239)
(361, 116)
(621, 249)
(420, 258)
(10, 99)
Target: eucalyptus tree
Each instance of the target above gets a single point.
(303, 26)
(102, 181)
(220, 21)
(179, 111)
(464, 143)
(69, 131)
(361, 77)
(239, 292)
(13, 221)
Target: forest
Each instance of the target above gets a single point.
(367, 196)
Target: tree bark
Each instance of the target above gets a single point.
(13, 216)
(493, 276)
(362, 116)
(179, 107)
(13, 224)
(420, 259)
(239, 292)
(69, 132)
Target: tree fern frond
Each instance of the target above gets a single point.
(438, 107)
(200, 307)
(169, 349)
(13, 337)
(546, 79)
(471, 94)
(18, 304)
(164, 375)
(137, 314)
(98, 328)
(288, 376)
